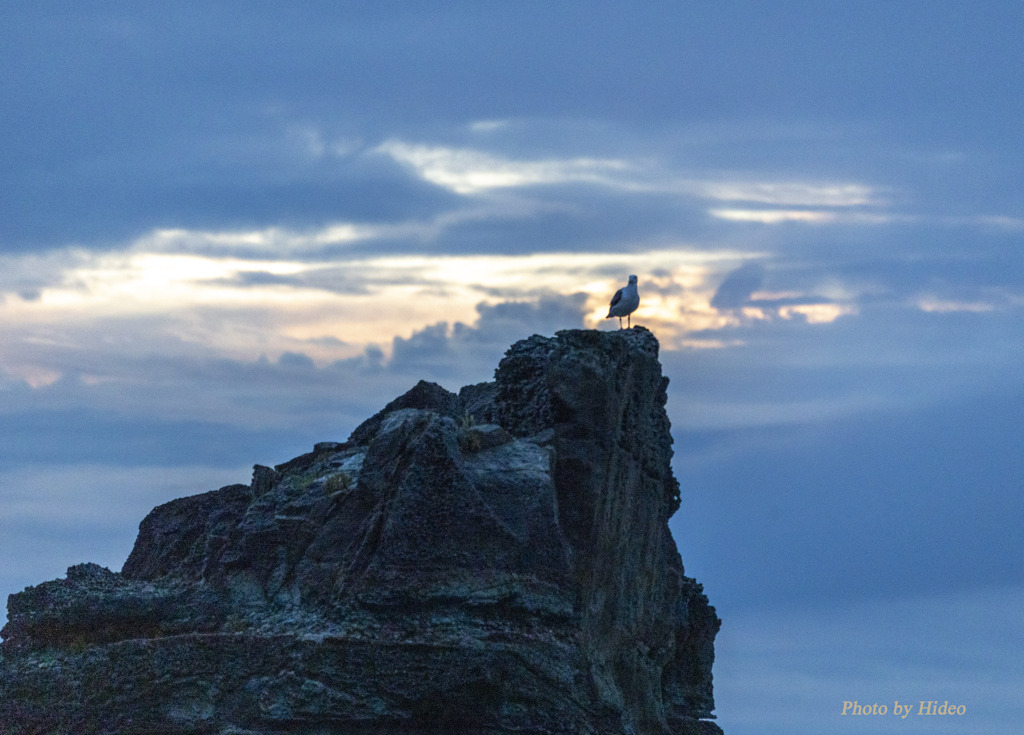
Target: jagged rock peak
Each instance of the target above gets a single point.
(496, 560)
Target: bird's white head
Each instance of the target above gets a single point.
(632, 280)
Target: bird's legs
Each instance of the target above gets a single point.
(629, 323)
(620, 322)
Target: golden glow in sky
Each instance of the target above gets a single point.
(242, 308)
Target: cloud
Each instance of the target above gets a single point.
(931, 303)
(470, 353)
(296, 361)
(470, 171)
(467, 171)
(773, 216)
(785, 193)
(781, 371)
(735, 296)
(97, 311)
(283, 134)
(738, 286)
(152, 385)
(488, 126)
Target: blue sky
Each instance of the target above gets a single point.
(230, 232)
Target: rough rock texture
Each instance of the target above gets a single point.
(496, 561)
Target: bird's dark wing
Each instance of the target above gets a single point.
(616, 298)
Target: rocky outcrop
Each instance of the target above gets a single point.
(493, 561)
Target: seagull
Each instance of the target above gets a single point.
(624, 302)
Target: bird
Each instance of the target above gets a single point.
(624, 302)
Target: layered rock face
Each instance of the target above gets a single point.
(488, 562)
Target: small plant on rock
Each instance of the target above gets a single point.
(338, 484)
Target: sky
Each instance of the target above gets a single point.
(230, 231)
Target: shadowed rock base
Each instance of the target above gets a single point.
(488, 562)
